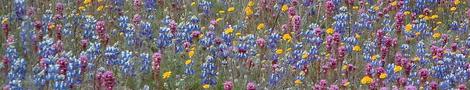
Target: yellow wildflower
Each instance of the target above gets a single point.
(416, 59)
(5, 20)
(357, 48)
(238, 34)
(355, 7)
(408, 27)
(279, 51)
(394, 3)
(376, 8)
(397, 68)
(298, 82)
(426, 18)
(193, 4)
(205, 86)
(218, 19)
(228, 30)
(191, 53)
(330, 30)
(221, 12)
(81, 8)
(248, 11)
(357, 36)
(230, 9)
(344, 67)
(407, 13)
(51, 26)
(87, 1)
(305, 55)
(374, 57)
(366, 80)
(193, 49)
(121, 33)
(436, 35)
(188, 61)
(100, 8)
(456, 2)
(434, 16)
(453, 8)
(166, 75)
(418, 33)
(284, 8)
(251, 4)
(260, 26)
(289, 49)
(286, 37)
(421, 16)
(383, 76)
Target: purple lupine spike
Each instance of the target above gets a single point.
(261, 42)
(330, 7)
(462, 87)
(423, 73)
(137, 18)
(228, 85)
(251, 86)
(157, 58)
(433, 85)
(410, 87)
(108, 80)
(333, 87)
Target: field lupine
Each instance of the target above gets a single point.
(234, 44)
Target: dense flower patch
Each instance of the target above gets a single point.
(234, 44)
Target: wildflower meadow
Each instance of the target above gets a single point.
(234, 44)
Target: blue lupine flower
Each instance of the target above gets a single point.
(111, 54)
(297, 53)
(93, 51)
(422, 27)
(17, 74)
(228, 39)
(126, 65)
(26, 35)
(454, 26)
(274, 78)
(208, 39)
(39, 76)
(150, 5)
(118, 5)
(369, 49)
(242, 49)
(313, 52)
(223, 51)
(341, 21)
(123, 23)
(20, 10)
(205, 6)
(164, 37)
(129, 35)
(146, 31)
(273, 40)
(364, 22)
(89, 28)
(73, 74)
(419, 6)
(45, 48)
(208, 73)
(67, 30)
(188, 68)
(146, 62)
